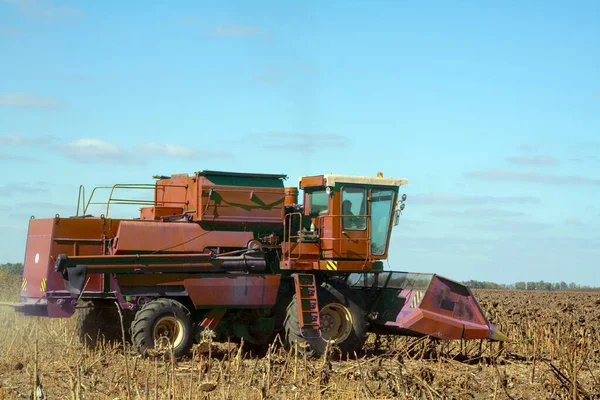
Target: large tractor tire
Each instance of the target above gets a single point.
(343, 321)
(98, 321)
(160, 324)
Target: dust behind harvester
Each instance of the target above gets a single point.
(240, 255)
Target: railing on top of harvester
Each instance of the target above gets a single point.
(83, 205)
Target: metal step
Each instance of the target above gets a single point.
(308, 305)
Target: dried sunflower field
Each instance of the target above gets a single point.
(555, 354)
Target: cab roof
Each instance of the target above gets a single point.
(333, 179)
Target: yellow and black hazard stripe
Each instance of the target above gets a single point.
(332, 265)
(43, 285)
(416, 298)
(24, 284)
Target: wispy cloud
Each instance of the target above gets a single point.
(93, 150)
(28, 100)
(468, 200)
(235, 30)
(190, 19)
(306, 143)
(274, 75)
(508, 225)
(176, 151)
(528, 148)
(574, 222)
(40, 209)
(10, 30)
(585, 147)
(56, 13)
(41, 9)
(17, 158)
(19, 140)
(477, 213)
(501, 175)
(21, 188)
(584, 159)
(79, 78)
(535, 160)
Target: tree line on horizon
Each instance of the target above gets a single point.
(540, 285)
(17, 268)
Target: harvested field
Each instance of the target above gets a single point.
(556, 355)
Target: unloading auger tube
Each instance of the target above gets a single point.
(75, 269)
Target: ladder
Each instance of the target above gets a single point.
(308, 306)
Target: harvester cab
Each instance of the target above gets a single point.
(237, 253)
(345, 222)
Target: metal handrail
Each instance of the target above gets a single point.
(130, 186)
(81, 199)
(287, 235)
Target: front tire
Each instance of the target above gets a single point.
(343, 322)
(161, 323)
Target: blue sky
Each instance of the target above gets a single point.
(490, 109)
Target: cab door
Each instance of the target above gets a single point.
(352, 222)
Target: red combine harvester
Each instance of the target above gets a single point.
(238, 254)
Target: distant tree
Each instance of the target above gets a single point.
(520, 285)
(563, 286)
(11, 268)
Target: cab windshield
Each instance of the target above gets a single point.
(381, 212)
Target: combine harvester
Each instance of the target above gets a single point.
(238, 254)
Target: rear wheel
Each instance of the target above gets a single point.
(160, 324)
(343, 323)
(99, 321)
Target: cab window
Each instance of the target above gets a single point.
(318, 202)
(354, 208)
(382, 201)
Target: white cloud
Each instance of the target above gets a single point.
(94, 150)
(28, 100)
(94, 146)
